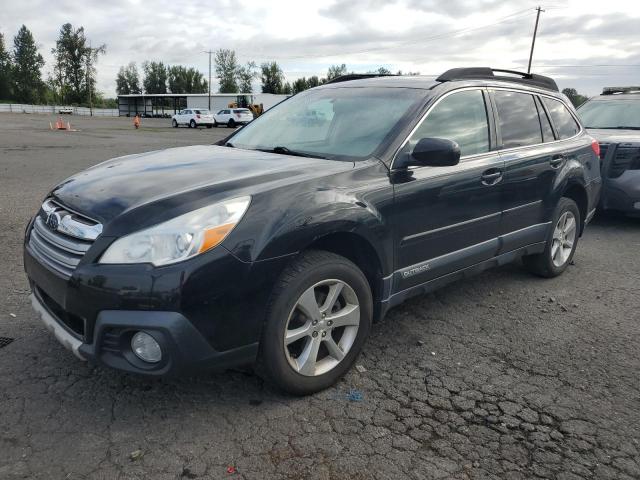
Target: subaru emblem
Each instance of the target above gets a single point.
(53, 220)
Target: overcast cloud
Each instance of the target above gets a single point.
(582, 43)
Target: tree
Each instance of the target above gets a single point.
(27, 64)
(574, 96)
(383, 71)
(226, 70)
(300, 85)
(314, 82)
(287, 89)
(245, 76)
(75, 59)
(272, 78)
(186, 80)
(336, 71)
(127, 81)
(155, 77)
(5, 71)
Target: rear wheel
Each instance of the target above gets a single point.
(231, 123)
(318, 318)
(561, 242)
(209, 126)
(174, 124)
(192, 124)
(215, 123)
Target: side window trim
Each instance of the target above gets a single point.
(433, 105)
(491, 89)
(542, 110)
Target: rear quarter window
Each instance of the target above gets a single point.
(566, 125)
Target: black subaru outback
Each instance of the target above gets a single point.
(280, 246)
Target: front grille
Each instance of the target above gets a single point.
(626, 157)
(57, 250)
(73, 323)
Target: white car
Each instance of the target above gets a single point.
(232, 117)
(65, 110)
(193, 118)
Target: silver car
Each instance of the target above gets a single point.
(613, 119)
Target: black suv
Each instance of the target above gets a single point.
(613, 119)
(281, 245)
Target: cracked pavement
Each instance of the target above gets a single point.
(502, 376)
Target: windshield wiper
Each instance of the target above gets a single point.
(286, 151)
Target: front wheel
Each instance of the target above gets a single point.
(231, 123)
(318, 319)
(561, 242)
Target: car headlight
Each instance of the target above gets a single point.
(180, 238)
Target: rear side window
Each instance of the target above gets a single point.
(461, 117)
(519, 122)
(241, 110)
(565, 124)
(547, 131)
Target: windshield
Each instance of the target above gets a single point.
(612, 113)
(337, 123)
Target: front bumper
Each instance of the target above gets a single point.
(206, 313)
(623, 193)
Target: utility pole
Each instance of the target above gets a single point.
(88, 75)
(533, 42)
(209, 52)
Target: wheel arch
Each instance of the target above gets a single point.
(578, 193)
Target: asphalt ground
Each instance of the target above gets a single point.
(503, 376)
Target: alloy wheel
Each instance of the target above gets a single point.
(321, 327)
(564, 236)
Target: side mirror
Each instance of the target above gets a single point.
(434, 152)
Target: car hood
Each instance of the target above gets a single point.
(183, 175)
(605, 135)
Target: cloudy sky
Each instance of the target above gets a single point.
(585, 44)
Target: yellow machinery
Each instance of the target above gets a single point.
(246, 101)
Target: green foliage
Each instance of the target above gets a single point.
(272, 78)
(155, 77)
(245, 75)
(26, 73)
(127, 80)
(226, 70)
(5, 71)
(574, 96)
(336, 71)
(74, 70)
(186, 80)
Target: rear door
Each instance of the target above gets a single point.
(532, 160)
(448, 218)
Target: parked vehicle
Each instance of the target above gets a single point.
(613, 118)
(193, 118)
(281, 245)
(232, 117)
(65, 110)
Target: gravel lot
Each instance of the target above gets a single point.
(502, 376)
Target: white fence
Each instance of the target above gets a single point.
(54, 109)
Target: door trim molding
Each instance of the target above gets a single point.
(408, 238)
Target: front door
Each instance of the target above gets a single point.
(448, 218)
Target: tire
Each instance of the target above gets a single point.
(231, 123)
(557, 255)
(318, 272)
(192, 124)
(174, 124)
(215, 123)
(209, 126)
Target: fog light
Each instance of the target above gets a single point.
(146, 348)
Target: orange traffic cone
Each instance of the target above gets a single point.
(60, 124)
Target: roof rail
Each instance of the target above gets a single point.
(486, 73)
(358, 76)
(614, 90)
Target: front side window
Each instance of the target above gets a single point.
(461, 117)
(565, 124)
(518, 119)
(341, 123)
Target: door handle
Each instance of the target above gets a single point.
(557, 161)
(491, 176)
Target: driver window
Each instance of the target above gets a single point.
(461, 117)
